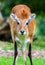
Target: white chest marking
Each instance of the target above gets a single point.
(27, 40)
(23, 41)
(24, 45)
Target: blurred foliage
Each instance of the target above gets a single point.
(37, 6)
(40, 30)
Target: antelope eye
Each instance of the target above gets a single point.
(27, 23)
(18, 23)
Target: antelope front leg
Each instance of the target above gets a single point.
(15, 53)
(24, 59)
(24, 56)
(29, 54)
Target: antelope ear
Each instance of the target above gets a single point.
(12, 16)
(33, 16)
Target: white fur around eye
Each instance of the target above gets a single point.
(15, 18)
(31, 17)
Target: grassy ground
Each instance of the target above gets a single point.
(38, 44)
(6, 45)
(9, 61)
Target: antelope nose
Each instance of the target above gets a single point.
(22, 32)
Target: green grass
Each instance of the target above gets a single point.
(9, 61)
(6, 45)
(6, 61)
(38, 44)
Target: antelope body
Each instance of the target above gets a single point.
(22, 24)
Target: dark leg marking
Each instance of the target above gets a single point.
(29, 54)
(15, 52)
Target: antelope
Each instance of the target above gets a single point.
(22, 25)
